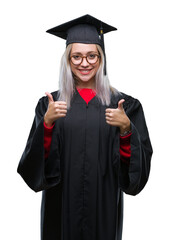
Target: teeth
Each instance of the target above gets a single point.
(83, 71)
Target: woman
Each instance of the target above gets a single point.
(88, 143)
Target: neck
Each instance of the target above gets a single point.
(89, 84)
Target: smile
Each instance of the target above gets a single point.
(85, 71)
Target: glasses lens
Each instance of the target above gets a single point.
(92, 58)
(76, 59)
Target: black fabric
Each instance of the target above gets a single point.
(62, 30)
(83, 179)
(83, 33)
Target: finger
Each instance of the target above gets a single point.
(108, 118)
(62, 111)
(62, 115)
(108, 110)
(109, 122)
(120, 104)
(62, 106)
(50, 97)
(57, 106)
(62, 103)
(109, 114)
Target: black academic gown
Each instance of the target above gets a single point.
(83, 179)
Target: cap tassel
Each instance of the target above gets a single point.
(103, 47)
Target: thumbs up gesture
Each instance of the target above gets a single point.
(56, 110)
(118, 118)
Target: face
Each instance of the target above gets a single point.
(85, 72)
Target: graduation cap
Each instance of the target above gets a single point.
(85, 29)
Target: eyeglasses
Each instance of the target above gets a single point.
(91, 58)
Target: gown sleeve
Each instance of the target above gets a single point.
(125, 149)
(47, 139)
(133, 177)
(38, 172)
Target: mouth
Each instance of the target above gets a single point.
(85, 71)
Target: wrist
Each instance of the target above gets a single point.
(126, 128)
(49, 127)
(47, 122)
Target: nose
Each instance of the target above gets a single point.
(84, 62)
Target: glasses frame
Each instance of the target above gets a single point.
(85, 56)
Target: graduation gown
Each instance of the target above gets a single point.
(83, 180)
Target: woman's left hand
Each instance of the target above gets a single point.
(118, 118)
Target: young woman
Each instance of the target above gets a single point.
(88, 144)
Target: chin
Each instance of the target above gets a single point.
(86, 78)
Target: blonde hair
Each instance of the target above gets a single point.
(67, 82)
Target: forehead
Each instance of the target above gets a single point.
(83, 48)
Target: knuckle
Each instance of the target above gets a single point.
(56, 104)
(56, 110)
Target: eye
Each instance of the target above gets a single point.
(76, 57)
(91, 56)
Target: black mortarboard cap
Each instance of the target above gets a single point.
(85, 29)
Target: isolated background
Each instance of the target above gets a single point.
(138, 56)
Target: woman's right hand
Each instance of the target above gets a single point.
(56, 110)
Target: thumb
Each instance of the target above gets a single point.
(50, 97)
(120, 104)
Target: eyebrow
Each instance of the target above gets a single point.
(79, 53)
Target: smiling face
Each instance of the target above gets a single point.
(84, 72)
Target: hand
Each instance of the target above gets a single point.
(118, 118)
(56, 110)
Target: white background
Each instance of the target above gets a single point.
(138, 56)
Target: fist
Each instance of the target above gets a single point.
(56, 110)
(117, 117)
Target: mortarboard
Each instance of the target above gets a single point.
(85, 29)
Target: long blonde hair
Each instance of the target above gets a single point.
(67, 82)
